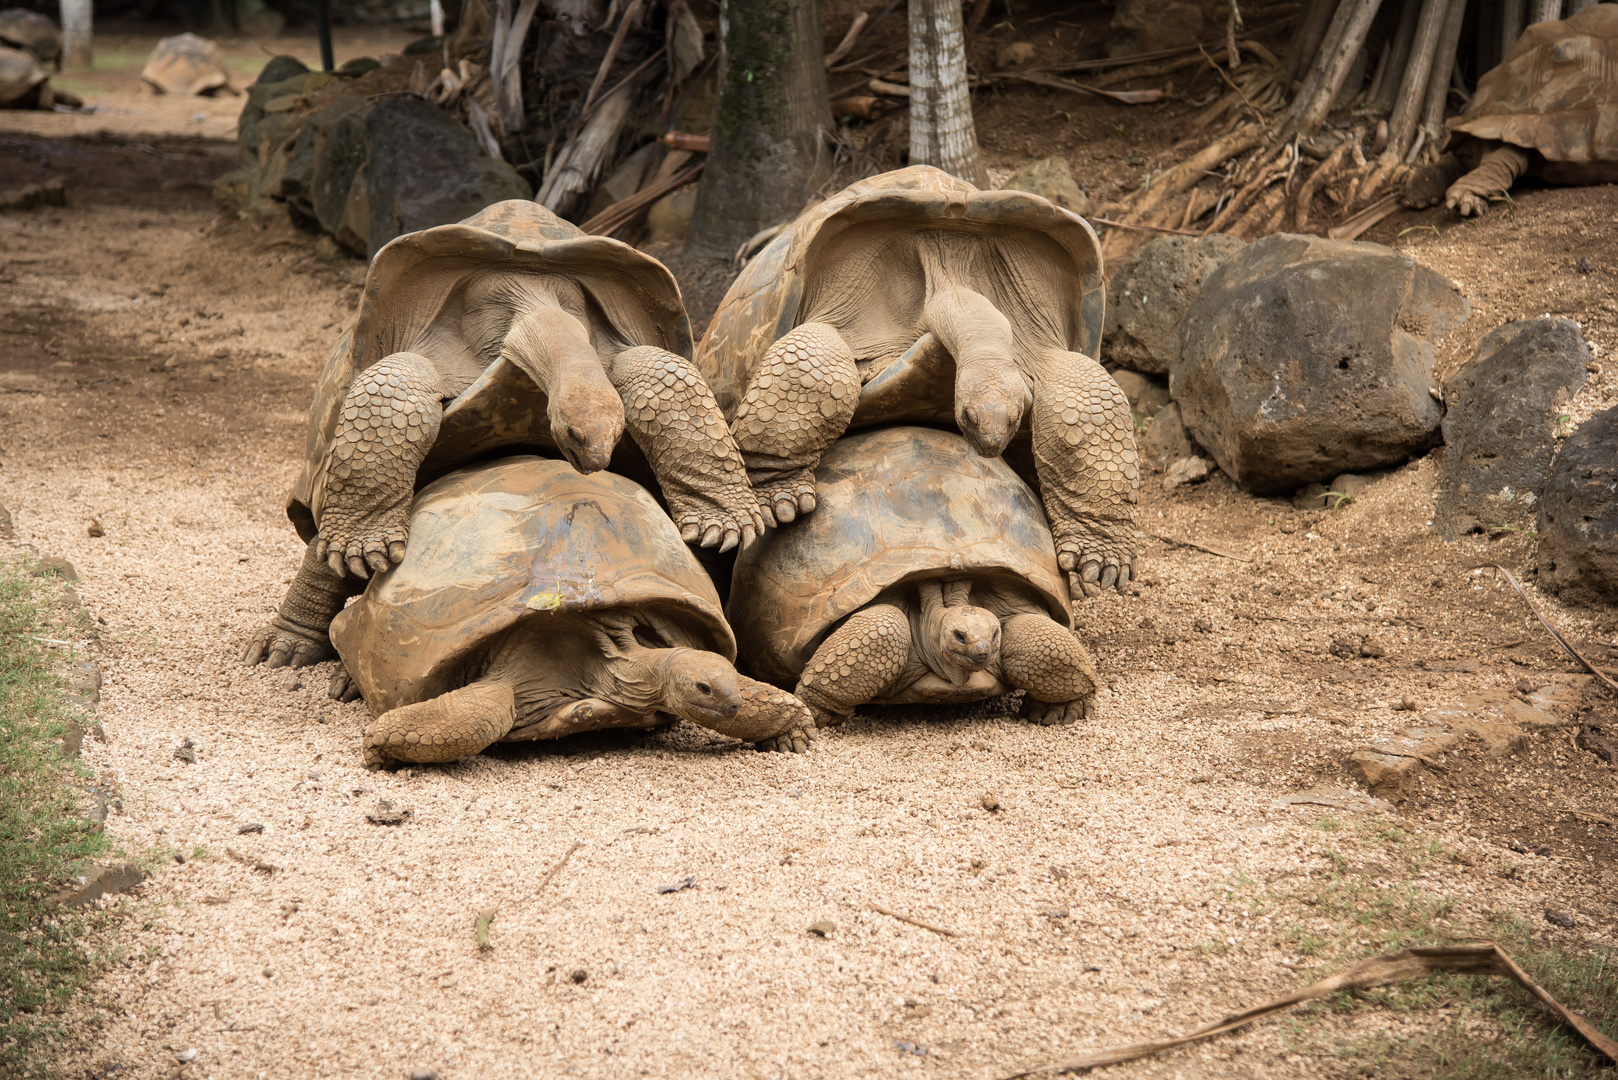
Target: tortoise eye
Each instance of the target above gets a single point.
(960, 637)
(704, 688)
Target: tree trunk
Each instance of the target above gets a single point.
(1337, 54)
(1311, 29)
(766, 157)
(1544, 10)
(1413, 87)
(1398, 57)
(76, 51)
(1432, 115)
(1576, 6)
(941, 128)
(1512, 13)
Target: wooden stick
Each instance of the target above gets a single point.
(1315, 29)
(1586, 815)
(1343, 43)
(624, 211)
(880, 910)
(557, 869)
(846, 46)
(1352, 228)
(640, 67)
(1190, 172)
(1203, 547)
(1317, 179)
(617, 43)
(1449, 38)
(1140, 226)
(1560, 640)
(1128, 97)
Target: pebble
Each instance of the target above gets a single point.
(577, 976)
(990, 803)
(823, 928)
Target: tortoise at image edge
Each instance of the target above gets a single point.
(927, 573)
(536, 602)
(1550, 109)
(914, 297)
(512, 330)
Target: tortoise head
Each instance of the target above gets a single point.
(968, 639)
(989, 402)
(701, 687)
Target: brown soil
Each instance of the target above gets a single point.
(155, 366)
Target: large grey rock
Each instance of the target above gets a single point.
(338, 157)
(1303, 358)
(425, 168)
(1149, 294)
(1500, 423)
(1578, 515)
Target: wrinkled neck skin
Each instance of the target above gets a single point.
(954, 638)
(540, 325)
(990, 392)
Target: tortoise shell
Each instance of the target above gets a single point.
(894, 504)
(19, 73)
(767, 300)
(1556, 93)
(414, 282)
(523, 538)
(186, 64)
(30, 30)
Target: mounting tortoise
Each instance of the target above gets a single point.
(1547, 109)
(186, 64)
(39, 34)
(512, 329)
(23, 80)
(927, 573)
(536, 602)
(914, 297)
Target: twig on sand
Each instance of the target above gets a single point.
(1484, 959)
(1560, 640)
(1423, 758)
(1210, 549)
(1586, 815)
(557, 869)
(880, 910)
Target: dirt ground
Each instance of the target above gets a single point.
(1142, 873)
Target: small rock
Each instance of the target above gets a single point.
(1578, 515)
(1311, 497)
(1345, 648)
(1014, 54)
(291, 682)
(29, 196)
(98, 881)
(1149, 294)
(1165, 439)
(186, 752)
(823, 928)
(1141, 26)
(678, 886)
(185, 1057)
(72, 740)
(326, 250)
(990, 803)
(1054, 912)
(1202, 624)
(1050, 178)
(1347, 487)
(423, 1074)
(1557, 918)
(577, 976)
(250, 827)
(669, 219)
(95, 528)
(55, 564)
(1370, 649)
(385, 813)
(269, 973)
(1146, 396)
(1191, 470)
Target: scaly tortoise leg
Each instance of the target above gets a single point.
(449, 726)
(1089, 475)
(860, 661)
(296, 635)
(800, 401)
(676, 422)
(1499, 169)
(1041, 656)
(388, 422)
(768, 714)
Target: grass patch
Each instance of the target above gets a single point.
(46, 955)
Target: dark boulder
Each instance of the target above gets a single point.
(1578, 515)
(1149, 294)
(1303, 358)
(1500, 424)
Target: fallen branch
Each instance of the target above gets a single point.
(846, 46)
(1560, 640)
(557, 869)
(880, 910)
(1586, 815)
(1143, 228)
(1203, 547)
(1485, 959)
(624, 211)
(1353, 227)
(1423, 758)
(1128, 97)
(617, 43)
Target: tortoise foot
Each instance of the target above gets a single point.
(787, 496)
(1058, 713)
(363, 543)
(1093, 568)
(342, 686)
(283, 643)
(448, 727)
(796, 741)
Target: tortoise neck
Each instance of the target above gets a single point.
(955, 639)
(989, 390)
(552, 346)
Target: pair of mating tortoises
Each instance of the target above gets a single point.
(533, 599)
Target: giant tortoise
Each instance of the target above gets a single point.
(39, 34)
(915, 297)
(535, 602)
(186, 64)
(927, 573)
(512, 329)
(1550, 108)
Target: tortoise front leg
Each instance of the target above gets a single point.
(449, 726)
(676, 422)
(800, 401)
(388, 422)
(1039, 655)
(296, 635)
(1084, 453)
(861, 660)
(1493, 177)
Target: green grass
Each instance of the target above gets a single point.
(46, 955)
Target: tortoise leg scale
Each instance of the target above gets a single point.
(1039, 655)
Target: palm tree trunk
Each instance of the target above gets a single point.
(1544, 10)
(767, 153)
(76, 51)
(941, 128)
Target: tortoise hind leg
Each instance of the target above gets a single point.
(1041, 656)
(449, 726)
(296, 635)
(1084, 454)
(860, 661)
(388, 422)
(1499, 169)
(802, 397)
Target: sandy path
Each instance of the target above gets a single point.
(1091, 908)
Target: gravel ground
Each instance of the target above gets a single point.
(1137, 876)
